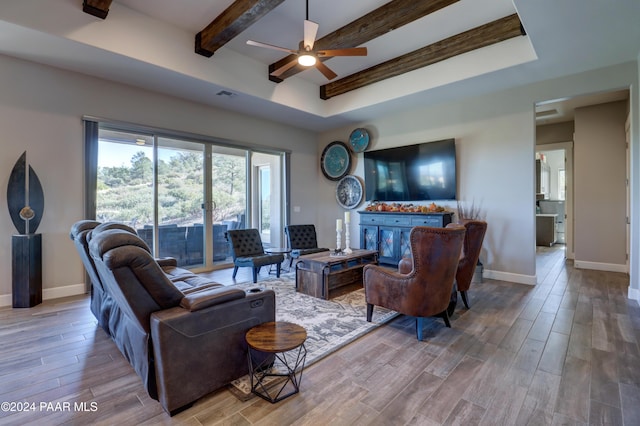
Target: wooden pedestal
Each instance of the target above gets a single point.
(26, 251)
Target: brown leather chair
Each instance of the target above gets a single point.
(471, 252)
(424, 290)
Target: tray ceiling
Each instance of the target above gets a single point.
(413, 60)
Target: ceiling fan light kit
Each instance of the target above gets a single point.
(306, 56)
(306, 60)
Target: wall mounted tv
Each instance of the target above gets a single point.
(420, 172)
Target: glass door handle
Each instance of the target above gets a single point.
(209, 206)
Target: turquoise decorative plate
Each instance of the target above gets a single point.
(335, 161)
(359, 140)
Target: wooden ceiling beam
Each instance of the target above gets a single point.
(239, 16)
(476, 38)
(99, 8)
(374, 24)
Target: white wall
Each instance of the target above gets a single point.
(600, 193)
(634, 149)
(495, 138)
(494, 151)
(554, 133)
(41, 111)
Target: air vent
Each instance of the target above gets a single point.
(226, 93)
(541, 114)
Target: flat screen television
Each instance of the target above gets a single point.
(420, 172)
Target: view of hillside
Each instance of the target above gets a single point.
(125, 193)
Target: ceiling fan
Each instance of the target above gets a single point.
(306, 56)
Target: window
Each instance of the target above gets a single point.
(265, 198)
(182, 194)
(562, 185)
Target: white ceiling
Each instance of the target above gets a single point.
(284, 26)
(561, 110)
(150, 44)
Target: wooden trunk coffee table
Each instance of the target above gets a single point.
(321, 274)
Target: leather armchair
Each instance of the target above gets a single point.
(247, 250)
(185, 343)
(302, 240)
(473, 239)
(424, 290)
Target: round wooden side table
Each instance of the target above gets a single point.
(285, 341)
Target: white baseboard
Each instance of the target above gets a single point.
(634, 294)
(49, 293)
(510, 277)
(597, 266)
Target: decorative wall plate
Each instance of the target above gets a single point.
(359, 140)
(349, 192)
(335, 161)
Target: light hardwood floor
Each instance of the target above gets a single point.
(562, 352)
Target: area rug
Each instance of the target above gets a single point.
(330, 324)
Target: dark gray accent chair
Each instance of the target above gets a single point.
(195, 244)
(247, 251)
(302, 240)
(220, 244)
(173, 242)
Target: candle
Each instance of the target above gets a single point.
(339, 225)
(347, 217)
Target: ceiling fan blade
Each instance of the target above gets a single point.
(351, 51)
(325, 70)
(270, 46)
(310, 31)
(284, 68)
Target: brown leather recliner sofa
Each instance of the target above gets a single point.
(101, 302)
(183, 335)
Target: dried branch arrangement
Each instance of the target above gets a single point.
(469, 211)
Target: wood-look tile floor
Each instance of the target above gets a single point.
(562, 352)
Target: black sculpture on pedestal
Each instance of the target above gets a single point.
(26, 205)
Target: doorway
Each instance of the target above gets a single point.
(595, 124)
(554, 196)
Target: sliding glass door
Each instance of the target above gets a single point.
(228, 206)
(267, 198)
(182, 196)
(125, 191)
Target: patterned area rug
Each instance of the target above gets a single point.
(330, 324)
